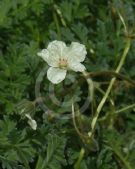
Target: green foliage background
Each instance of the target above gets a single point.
(26, 26)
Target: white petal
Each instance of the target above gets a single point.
(77, 67)
(31, 122)
(57, 49)
(56, 75)
(77, 52)
(44, 54)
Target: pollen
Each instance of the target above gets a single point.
(63, 63)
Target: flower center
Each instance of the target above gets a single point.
(63, 63)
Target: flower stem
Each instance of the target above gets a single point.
(101, 104)
(123, 161)
(111, 73)
(125, 108)
(57, 24)
(118, 111)
(82, 136)
(81, 155)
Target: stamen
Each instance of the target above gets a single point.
(63, 63)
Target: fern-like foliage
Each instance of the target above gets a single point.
(54, 154)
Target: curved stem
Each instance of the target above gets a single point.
(110, 73)
(101, 104)
(75, 125)
(90, 85)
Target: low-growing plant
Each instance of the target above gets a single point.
(67, 88)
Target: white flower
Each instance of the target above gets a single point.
(31, 122)
(61, 58)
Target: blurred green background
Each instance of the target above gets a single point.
(26, 27)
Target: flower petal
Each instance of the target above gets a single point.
(77, 67)
(77, 52)
(56, 49)
(44, 54)
(56, 75)
(31, 122)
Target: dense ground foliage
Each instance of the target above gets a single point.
(62, 139)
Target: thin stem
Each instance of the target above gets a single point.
(123, 22)
(118, 111)
(102, 92)
(121, 158)
(57, 24)
(90, 85)
(101, 104)
(80, 158)
(60, 15)
(111, 73)
(75, 125)
(91, 90)
(125, 108)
